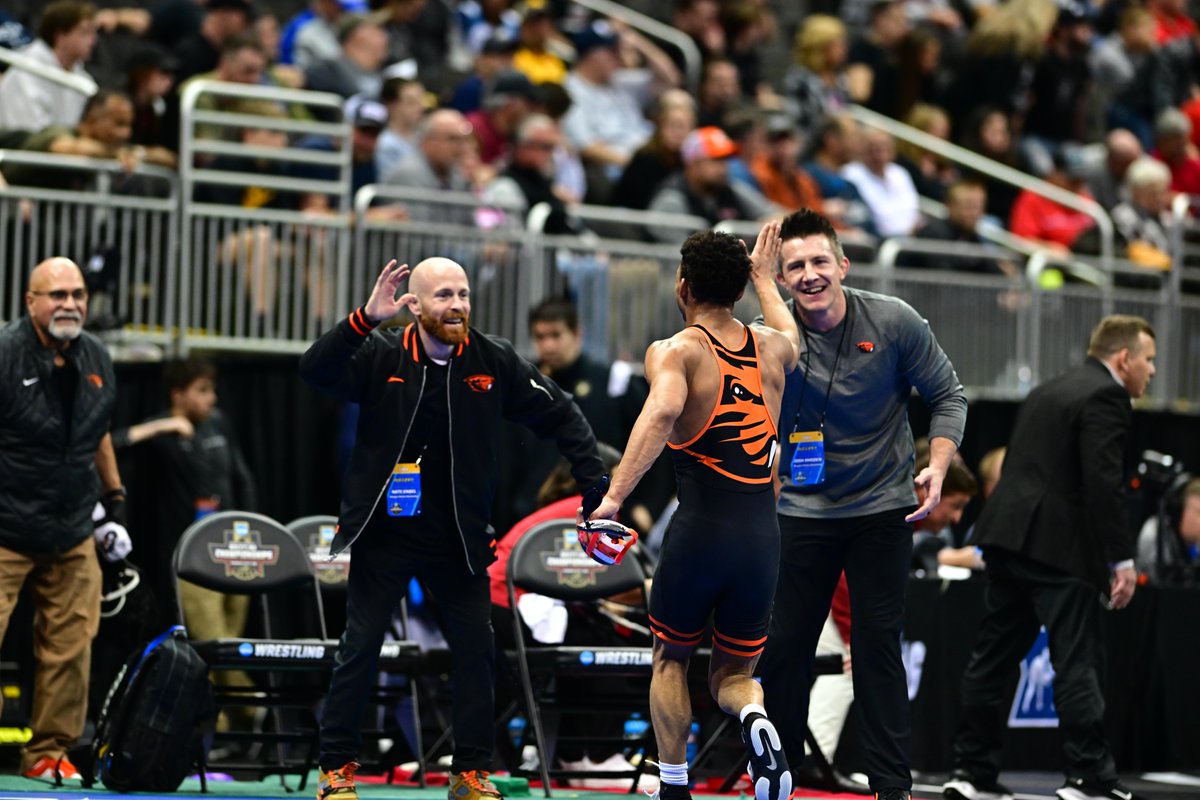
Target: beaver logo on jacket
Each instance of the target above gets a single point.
(480, 383)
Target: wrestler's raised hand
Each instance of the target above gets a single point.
(764, 259)
(383, 304)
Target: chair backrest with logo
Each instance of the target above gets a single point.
(237, 552)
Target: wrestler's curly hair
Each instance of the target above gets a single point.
(716, 267)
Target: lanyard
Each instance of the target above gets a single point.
(846, 323)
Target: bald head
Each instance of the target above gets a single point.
(54, 270)
(433, 272)
(442, 301)
(1123, 149)
(444, 137)
(57, 301)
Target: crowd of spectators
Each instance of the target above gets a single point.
(537, 102)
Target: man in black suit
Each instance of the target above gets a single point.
(1058, 549)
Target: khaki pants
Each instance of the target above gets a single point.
(65, 588)
(213, 615)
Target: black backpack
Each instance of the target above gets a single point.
(156, 723)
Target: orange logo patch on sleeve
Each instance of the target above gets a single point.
(95, 380)
(480, 383)
(866, 347)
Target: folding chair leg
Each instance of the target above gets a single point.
(420, 743)
(823, 765)
(204, 773)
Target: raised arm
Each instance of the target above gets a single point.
(765, 266)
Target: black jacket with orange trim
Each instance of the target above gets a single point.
(384, 372)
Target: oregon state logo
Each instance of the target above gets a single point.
(95, 380)
(480, 383)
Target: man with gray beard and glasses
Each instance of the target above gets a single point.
(57, 390)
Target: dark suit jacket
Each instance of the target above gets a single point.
(1059, 499)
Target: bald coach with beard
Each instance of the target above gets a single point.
(56, 460)
(418, 491)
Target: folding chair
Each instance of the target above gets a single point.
(549, 561)
(333, 574)
(234, 552)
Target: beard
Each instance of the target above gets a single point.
(438, 329)
(65, 327)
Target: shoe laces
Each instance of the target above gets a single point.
(344, 775)
(477, 779)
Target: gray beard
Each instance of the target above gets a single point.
(67, 333)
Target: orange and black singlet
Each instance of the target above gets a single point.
(720, 556)
(737, 447)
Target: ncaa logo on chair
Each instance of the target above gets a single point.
(243, 554)
(570, 564)
(335, 572)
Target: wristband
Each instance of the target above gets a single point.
(359, 321)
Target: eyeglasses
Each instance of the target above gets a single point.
(61, 295)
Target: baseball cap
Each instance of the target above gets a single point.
(370, 114)
(707, 142)
(501, 42)
(514, 83)
(534, 9)
(598, 34)
(152, 56)
(780, 126)
(1072, 161)
(231, 5)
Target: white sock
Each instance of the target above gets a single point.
(750, 709)
(674, 774)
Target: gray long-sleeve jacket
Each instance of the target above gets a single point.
(887, 351)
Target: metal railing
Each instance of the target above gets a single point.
(120, 227)
(1001, 172)
(658, 30)
(260, 278)
(1003, 334)
(79, 83)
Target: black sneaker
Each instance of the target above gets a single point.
(1079, 789)
(894, 793)
(964, 787)
(670, 791)
(768, 767)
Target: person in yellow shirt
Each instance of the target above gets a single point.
(536, 56)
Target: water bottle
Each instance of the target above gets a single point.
(693, 742)
(516, 731)
(635, 728)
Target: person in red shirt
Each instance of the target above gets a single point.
(1171, 20)
(509, 100)
(559, 501)
(1046, 221)
(1172, 131)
